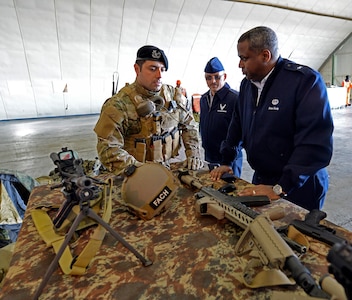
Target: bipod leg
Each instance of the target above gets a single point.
(58, 255)
(117, 236)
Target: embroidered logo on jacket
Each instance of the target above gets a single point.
(222, 108)
(274, 103)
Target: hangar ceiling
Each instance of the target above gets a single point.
(60, 57)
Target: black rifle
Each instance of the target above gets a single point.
(76, 185)
(340, 258)
(247, 200)
(78, 190)
(278, 253)
(311, 227)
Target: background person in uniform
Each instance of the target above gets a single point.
(348, 85)
(183, 90)
(143, 121)
(284, 121)
(216, 108)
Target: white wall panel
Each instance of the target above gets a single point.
(49, 104)
(45, 44)
(20, 102)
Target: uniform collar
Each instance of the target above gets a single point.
(261, 84)
(141, 90)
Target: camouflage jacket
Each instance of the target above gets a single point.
(120, 128)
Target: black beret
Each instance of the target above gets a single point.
(152, 53)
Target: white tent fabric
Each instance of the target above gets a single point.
(58, 57)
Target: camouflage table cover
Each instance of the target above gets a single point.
(193, 256)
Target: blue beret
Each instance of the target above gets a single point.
(152, 53)
(213, 66)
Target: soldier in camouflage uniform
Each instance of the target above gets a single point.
(145, 120)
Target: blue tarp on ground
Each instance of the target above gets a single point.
(15, 190)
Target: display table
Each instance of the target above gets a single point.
(193, 256)
(337, 97)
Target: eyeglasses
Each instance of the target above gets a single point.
(211, 78)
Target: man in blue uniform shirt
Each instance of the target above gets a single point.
(284, 121)
(216, 108)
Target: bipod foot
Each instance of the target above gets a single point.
(118, 237)
(84, 213)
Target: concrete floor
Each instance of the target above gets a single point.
(26, 146)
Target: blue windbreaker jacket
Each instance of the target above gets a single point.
(215, 121)
(288, 136)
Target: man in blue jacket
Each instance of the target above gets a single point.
(284, 121)
(216, 108)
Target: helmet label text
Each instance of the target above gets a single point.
(166, 192)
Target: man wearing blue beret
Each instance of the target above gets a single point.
(216, 108)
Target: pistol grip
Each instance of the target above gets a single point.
(315, 216)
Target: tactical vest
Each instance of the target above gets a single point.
(159, 138)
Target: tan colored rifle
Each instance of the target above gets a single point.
(259, 233)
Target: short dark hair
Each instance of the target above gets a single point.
(140, 63)
(261, 38)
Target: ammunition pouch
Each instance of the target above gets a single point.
(157, 148)
(140, 147)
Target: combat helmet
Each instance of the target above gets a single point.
(148, 189)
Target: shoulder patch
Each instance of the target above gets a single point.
(295, 67)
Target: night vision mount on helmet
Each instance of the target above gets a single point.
(148, 189)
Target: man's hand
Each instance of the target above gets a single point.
(260, 190)
(193, 163)
(216, 173)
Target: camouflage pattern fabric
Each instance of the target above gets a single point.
(119, 124)
(193, 256)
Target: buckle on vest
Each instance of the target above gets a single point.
(173, 131)
(156, 138)
(164, 136)
(139, 140)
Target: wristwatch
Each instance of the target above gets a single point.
(278, 190)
